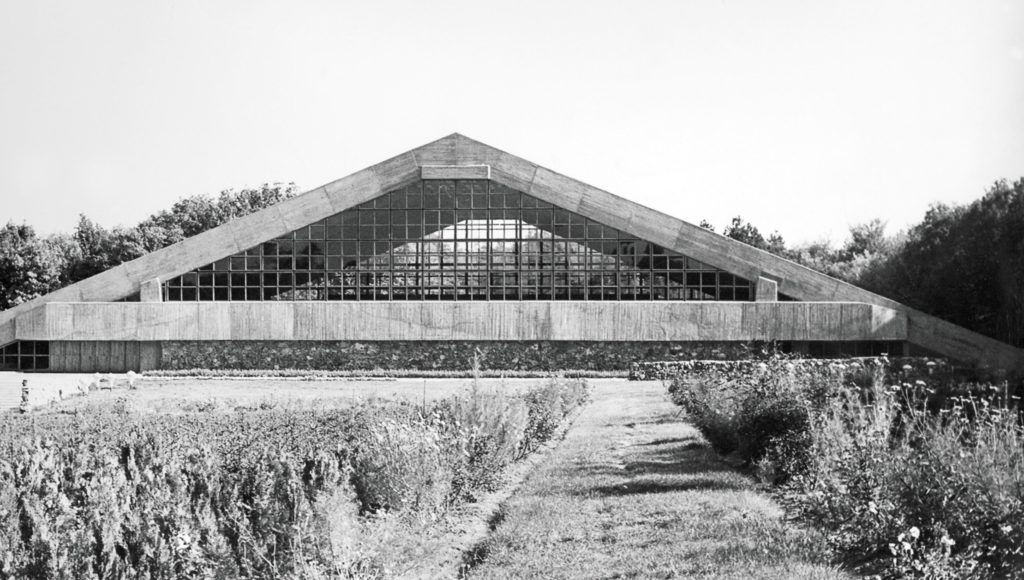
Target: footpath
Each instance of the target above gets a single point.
(633, 491)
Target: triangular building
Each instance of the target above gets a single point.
(455, 249)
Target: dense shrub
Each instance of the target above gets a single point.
(712, 409)
(491, 429)
(403, 466)
(258, 493)
(773, 424)
(327, 375)
(146, 509)
(754, 409)
(547, 406)
(907, 475)
(915, 492)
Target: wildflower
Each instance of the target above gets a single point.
(930, 363)
(1006, 529)
(908, 368)
(182, 541)
(872, 508)
(914, 532)
(947, 541)
(919, 383)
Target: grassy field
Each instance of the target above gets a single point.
(635, 492)
(632, 491)
(190, 394)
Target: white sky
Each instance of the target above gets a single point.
(804, 117)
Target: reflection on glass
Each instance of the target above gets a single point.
(457, 240)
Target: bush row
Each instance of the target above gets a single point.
(313, 375)
(908, 474)
(934, 369)
(266, 493)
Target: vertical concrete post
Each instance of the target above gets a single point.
(767, 290)
(150, 291)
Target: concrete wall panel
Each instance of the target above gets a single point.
(793, 279)
(629, 321)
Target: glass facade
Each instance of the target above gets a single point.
(457, 240)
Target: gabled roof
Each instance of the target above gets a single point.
(457, 155)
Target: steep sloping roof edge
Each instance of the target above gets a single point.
(457, 150)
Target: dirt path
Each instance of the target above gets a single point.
(634, 492)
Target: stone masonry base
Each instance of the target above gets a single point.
(435, 355)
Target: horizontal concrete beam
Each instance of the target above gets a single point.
(458, 157)
(612, 321)
(232, 237)
(455, 172)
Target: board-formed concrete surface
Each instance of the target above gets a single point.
(458, 153)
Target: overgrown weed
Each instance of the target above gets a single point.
(905, 476)
(272, 491)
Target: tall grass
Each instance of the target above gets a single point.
(492, 431)
(908, 491)
(905, 478)
(262, 493)
(327, 375)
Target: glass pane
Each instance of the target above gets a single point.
(457, 240)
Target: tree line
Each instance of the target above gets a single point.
(33, 265)
(962, 263)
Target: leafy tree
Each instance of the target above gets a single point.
(776, 244)
(102, 249)
(196, 214)
(819, 255)
(964, 264)
(29, 266)
(745, 232)
(748, 233)
(866, 247)
(865, 239)
(233, 204)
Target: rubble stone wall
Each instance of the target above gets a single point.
(437, 355)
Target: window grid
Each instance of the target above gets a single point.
(25, 355)
(457, 240)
